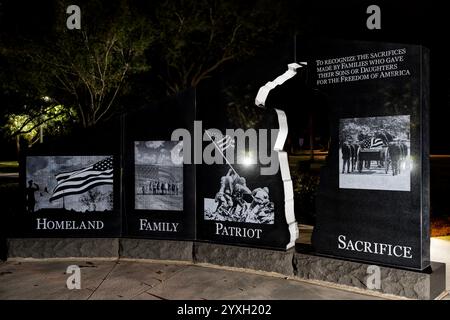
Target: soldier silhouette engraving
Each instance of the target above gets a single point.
(30, 199)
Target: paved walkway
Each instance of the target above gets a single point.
(440, 252)
(46, 279)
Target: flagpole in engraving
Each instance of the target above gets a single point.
(226, 160)
(221, 153)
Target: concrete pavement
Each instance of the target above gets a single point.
(119, 279)
(440, 252)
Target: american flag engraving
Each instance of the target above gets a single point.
(82, 180)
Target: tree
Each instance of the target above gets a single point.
(87, 69)
(181, 42)
(30, 124)
(91, 198)
(25, 104)
(93, 64)
(27, 116)
(197, 38)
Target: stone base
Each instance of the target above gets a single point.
(427, 285)
(244, 257)
(40, 248)
(156, 249)
(304, 265)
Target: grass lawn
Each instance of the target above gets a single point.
(440, 226)
(9, 166)
(8, 183)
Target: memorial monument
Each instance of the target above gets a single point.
(373, 198)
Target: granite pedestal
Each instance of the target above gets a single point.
(156, 249)
(426, 285)
(42, 248)
(245, 257)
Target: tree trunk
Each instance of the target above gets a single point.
(311, 137)
(41, 134)
(18, 146)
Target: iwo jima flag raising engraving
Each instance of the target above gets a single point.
(82, 180)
